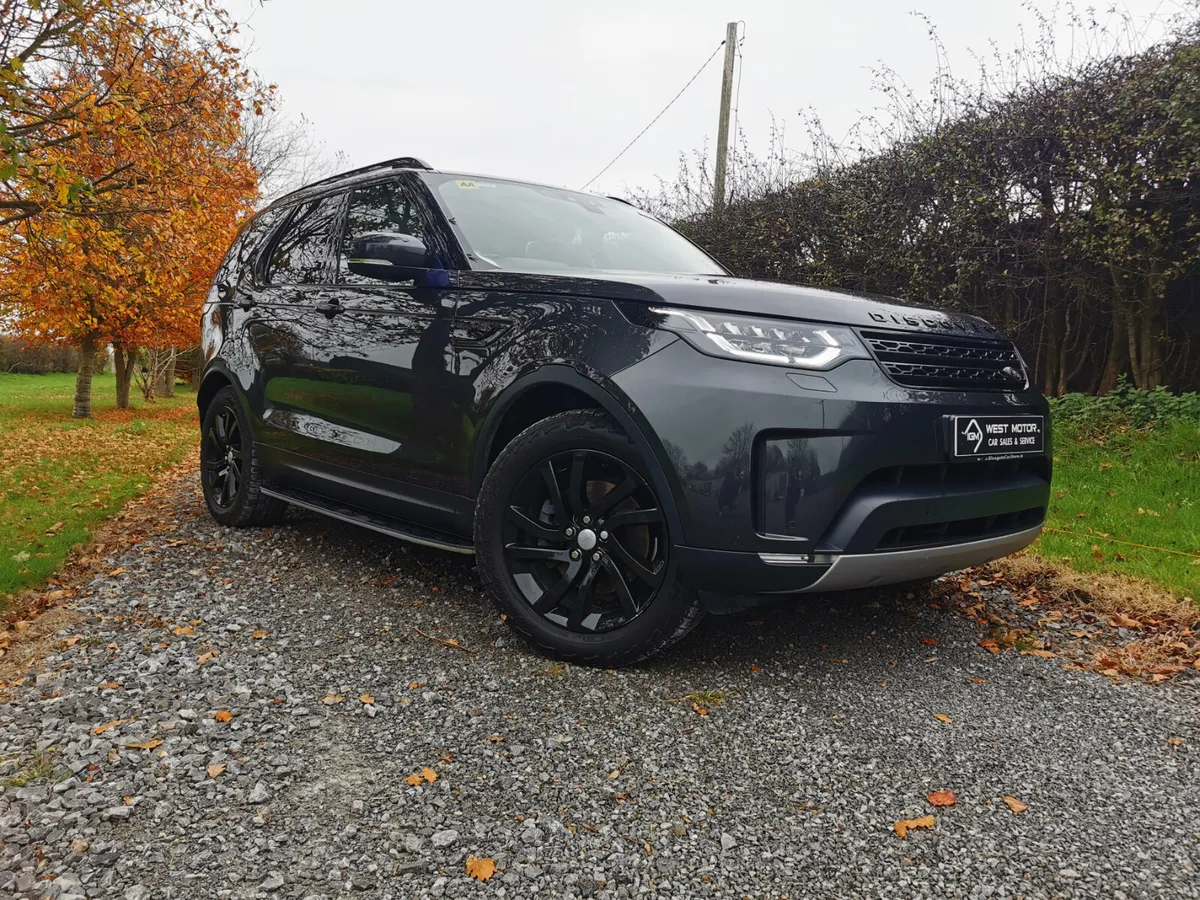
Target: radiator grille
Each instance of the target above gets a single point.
(945, 361)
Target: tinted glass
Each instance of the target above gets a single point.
(239, 261)
(385, 207)
(528, 228)
(301, 255)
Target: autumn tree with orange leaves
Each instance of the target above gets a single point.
(125, 174)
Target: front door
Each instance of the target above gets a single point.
(389, 391)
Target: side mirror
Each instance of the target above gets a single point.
(387, 256)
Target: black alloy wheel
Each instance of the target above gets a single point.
(230, 472)
(575, 545)
(223, 457)
(585, 541)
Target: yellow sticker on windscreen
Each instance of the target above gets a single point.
(467, 185)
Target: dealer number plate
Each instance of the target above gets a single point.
(991, 436)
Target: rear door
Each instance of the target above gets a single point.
(295, 277)
(389, 395)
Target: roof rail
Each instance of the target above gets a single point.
(400, 162)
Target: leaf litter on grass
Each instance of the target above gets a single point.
(1110, 624)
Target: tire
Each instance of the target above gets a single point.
(574, 589)
(230, 472)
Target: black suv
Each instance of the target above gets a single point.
(621, 432)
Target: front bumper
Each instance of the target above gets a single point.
(788, 482)
(858, 570)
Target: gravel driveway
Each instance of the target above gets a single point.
(284, 697)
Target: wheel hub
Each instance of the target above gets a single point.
(585, 541)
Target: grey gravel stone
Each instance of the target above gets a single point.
(826, 736)
(272, 882)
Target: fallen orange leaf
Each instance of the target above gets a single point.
(330, 699)
(1014, 804)
(990, 645)
(943, 718)
(415, 780)
(481, 869)
(1122, 621)
(698, 709)
(979, 681)
(258, 635)
(145, 745)
(110, 686)
(366, 699)
(942, 798)
(932, 642)
(902, 827)
(216, 769)
(100, 729)
(223, 715)
(206, 657)
(1043, 654)
(183, 630)
(429, 775)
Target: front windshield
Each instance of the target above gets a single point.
(529, 228)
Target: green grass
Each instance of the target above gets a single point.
(60, 477)
(1127, 487)
(39, 768)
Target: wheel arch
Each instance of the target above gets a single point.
(543, 393)
(216, 377)
(210, 385)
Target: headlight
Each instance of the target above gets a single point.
(802, 345)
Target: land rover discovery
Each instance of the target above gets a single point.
(619, 430)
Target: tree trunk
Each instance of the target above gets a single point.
(1151, 344)
(83, 381)
(1053, 340)
(147, 380)
(124, 362)
(1118, 348)
(168, 379)
(1132, 323)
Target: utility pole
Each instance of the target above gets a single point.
(731, 31)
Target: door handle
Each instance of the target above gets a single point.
(227, 293)
(329, 310)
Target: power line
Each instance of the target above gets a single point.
(656, 118)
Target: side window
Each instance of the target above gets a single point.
(383, 207)
(301, 255)
(239, 262)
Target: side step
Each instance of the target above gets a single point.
(414, 534)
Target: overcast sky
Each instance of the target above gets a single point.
(551, 91)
